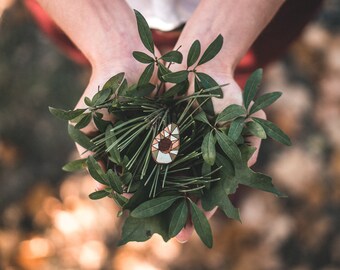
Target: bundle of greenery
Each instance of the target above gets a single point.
(169, 150)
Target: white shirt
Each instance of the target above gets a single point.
(165, 15)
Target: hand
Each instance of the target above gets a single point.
(232, 94)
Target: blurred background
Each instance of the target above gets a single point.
(47, 220)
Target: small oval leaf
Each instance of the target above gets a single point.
(142, 57)
(173, 56)
(194, 53)
(208, 148)
(176, 77)
(212, 50)
(144, 32)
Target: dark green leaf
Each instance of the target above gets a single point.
(176, 77)
(229, 147)
(227, 174)
(212, 50)
(154, 206)
(80, 138)
(122, 88)
(236, 128)
(256, 129)
(95, 170)
(217, 196)
(142, 57)
(98, 195)
(178, 219)
(247, 151)
(75, 165)
(119, 199)
(208, 148)
(208, 82)
(264, 101)
(66, 115)
(230, 113)
(110, 138)
(207, 105)
(114, 82)
(114, 181)
(273, 131)
(145, 32)
(162, 70)
(101, 96)
(252, 86)
(173, 56)
(141, 229)
(201, 225)
(144, 90)
(100, 123)
(194, 53)
(177, 89)
(126, 178)
(84, 121)
(146, 75)
(202, 117)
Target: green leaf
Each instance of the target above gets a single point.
(100, 123)
(66, 115)
(146, 75)
(201, 225)
(217, 196)
(126, 178)
(142, 57)
(162, 70)
(229, 147)
(178, 218)
(88, 101)
(119, 199)
(208, 148)
(264, 101)
(236, 128)
(256, 129)
(95, 170)
(247, 151)
(144, 32)
(273, 131)
(202, 117)
(208, 82)
(122, 88)
(144, 90)
(110, 138)
(114, 82)
(176, 77)
(230, 113)
(252, 86)
(194, 53)
(84, 121)
(177, 89)
(212, 50)
(114, 181)
(80, 138)
(173, 56)
(141, 229)
(101, 96)
(98, 194)
(154, 206)
(75, 165)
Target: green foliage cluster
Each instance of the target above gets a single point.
(213, 154)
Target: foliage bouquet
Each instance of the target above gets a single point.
(168, 150)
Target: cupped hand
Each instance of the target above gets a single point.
(232, 94)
